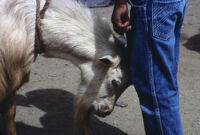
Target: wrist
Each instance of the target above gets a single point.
(120, 2)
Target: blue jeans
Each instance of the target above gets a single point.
(153, 44)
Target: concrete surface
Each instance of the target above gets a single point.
(45, 104)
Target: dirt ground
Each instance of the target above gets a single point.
(45, 104)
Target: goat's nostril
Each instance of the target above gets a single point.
(116, 82)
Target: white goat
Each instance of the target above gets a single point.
(71, 32)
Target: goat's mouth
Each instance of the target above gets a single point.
(101, 110)
(103, 114)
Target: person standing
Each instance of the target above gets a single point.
(153, 33)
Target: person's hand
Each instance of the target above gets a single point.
(120, 18)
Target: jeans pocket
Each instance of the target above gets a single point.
(164, 17)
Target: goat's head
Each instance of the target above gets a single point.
(116, 79)
(111, 78)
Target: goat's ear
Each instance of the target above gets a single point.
(108, 60)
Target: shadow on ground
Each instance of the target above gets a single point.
(58, 119)
(193, 43)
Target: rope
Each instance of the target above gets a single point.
(39, 45)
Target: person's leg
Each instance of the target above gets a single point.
(154, 41)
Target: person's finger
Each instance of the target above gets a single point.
(121, 29)
(128, 28)
(125, 24)
(120, 25)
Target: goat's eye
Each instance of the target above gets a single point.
(116, 82)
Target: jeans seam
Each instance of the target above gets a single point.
(152, 82)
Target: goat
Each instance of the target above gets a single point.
(70, 32)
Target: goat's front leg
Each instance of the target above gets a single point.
(82, 115)
(9, 109)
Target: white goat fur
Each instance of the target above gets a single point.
(68, 29)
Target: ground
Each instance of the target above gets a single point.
(45, 104)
